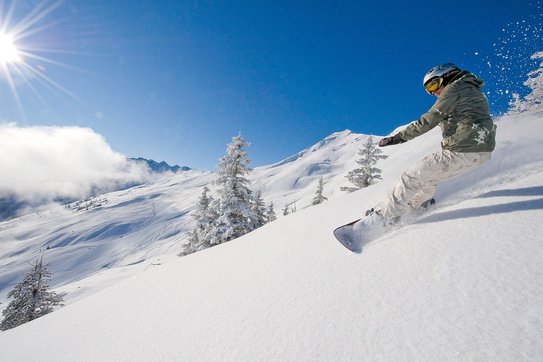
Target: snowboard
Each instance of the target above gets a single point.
(346, 236)
(354, 238)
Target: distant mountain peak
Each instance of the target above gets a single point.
(160, 167)
(340, 134)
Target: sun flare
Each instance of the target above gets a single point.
(8, 50)
(22, 63)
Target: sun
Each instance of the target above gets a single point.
(8, 50)
(23, 64)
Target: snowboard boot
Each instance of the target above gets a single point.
(423, 207)
(372, 226)
(387, 222)
(426, 204)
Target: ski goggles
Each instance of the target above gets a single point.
(433, 85)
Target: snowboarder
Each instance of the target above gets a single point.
(462, 112)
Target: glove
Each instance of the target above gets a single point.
(393, 140)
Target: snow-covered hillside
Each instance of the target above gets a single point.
(136, 228)
(464, 282)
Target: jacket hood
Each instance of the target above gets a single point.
(466, 77)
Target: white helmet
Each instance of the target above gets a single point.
(439, 71)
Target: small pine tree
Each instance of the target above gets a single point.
(31, 298)
(366, 174)
(286, 209)
(204, 215)
(270, 213)
(259, 208)
(289, 208)
(236, 217)
(319, 197)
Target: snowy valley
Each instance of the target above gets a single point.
(463, 282)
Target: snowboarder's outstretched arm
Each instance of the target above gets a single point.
(439, 111)
(392, 140)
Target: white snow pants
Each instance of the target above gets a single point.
(418, 184)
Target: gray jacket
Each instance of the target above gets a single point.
(463, 114)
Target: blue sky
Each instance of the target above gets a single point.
(175, 80)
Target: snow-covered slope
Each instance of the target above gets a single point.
(464, 282)
(131, 227)
(134, 229)
(295, 179)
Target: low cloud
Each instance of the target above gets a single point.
(42, 163)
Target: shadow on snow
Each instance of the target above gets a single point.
(526, 205)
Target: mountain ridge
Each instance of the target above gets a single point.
(160, 167)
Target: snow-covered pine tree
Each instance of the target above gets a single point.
(236, 218)
(205, 215)
(319, 197)
(533, 101)
(259, 208)
(286, 210)
(535, 83)
(289, 208)
(366, 174)
(270, 213)
(31, 298)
